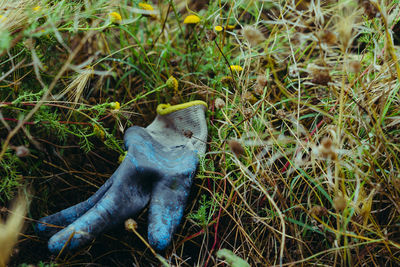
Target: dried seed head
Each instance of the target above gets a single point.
(339, 203)
(259, 90)
(247, 112)
(281, 114)
(219, 103)
(249, 97)
(367, 205)
(253, 35)
(236, 147)
(328, 37)
(344, 26)
(370, 9)
(211, 35)
(22, 151)
(319, 211)
(326, 143)
(321, 76)
(326, 150)
(355, 66)
(261, 81)
(130, 224)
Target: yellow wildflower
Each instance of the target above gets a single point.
(115, 17)
(231, 27)
(37, 8)
(146, 6)
(98, 131)
(191, 19)
(218, 28)
(115, 105)
(236, 68)
(172, 83)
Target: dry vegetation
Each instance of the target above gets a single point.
(303, 160)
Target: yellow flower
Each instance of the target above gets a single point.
(146, 6)
(37, 8)
(172, 83)
(115, 17)
(191, 19)
(231, 27)
(236, 68)
(115, 105)
(98, 131)
(218, 28)
(3, 18)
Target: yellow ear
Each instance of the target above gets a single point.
(164, 109)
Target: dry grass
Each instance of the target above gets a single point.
(11, 229)
(303, 161)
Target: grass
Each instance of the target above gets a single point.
(302, 165)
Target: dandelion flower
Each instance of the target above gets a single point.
(172, 83)
(37, 8)
(218, 28)
(236, 68)
(146, 6)
(191, 19)
(231, 27)
(115, 17)
(115, 105)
